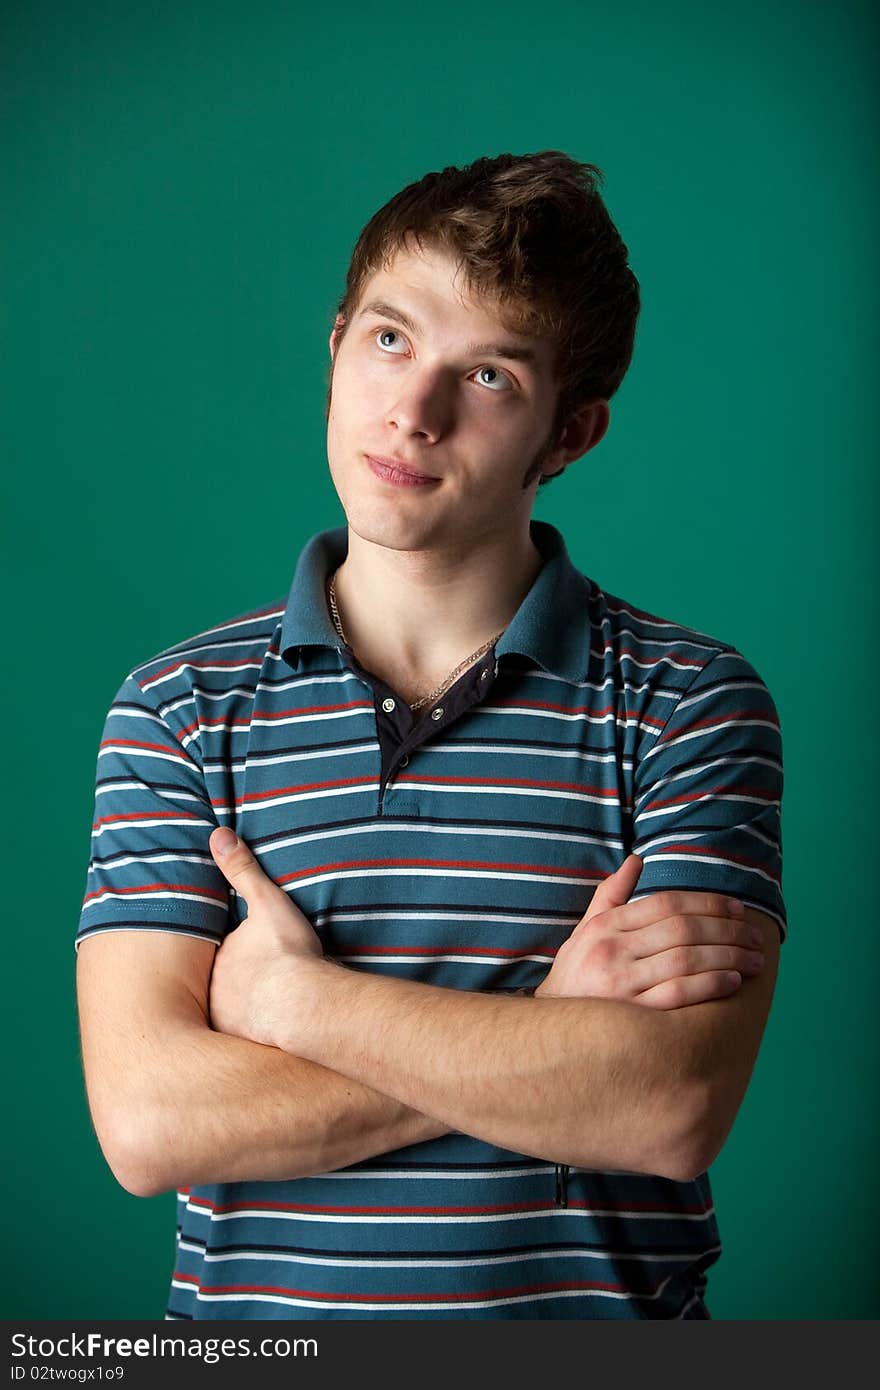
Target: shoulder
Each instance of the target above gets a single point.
(652, 646)
(218, 664)
(645, 639)
(664, 668)
(164, 702)
(231, 653)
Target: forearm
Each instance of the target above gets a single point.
(224, 1109)
(591, 1082)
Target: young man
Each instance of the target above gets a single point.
(461, 775)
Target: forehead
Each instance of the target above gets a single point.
(430, 287)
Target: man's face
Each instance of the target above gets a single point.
(430, 378)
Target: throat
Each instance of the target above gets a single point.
(412, 687)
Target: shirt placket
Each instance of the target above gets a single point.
(400, 732)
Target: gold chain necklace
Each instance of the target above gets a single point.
(427, 699)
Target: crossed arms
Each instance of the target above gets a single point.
(310, 1067)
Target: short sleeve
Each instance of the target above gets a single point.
(150, 866)
(707, 799)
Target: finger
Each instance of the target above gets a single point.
(658, 906)
(617, 888)
(691, 989)
(683, 961)
(693, 931)
(240, 868)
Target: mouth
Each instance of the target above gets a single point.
(399, 474)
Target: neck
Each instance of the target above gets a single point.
(412, 616)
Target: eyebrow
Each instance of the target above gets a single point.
(512, 351)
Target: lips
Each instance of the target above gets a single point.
(392, 470)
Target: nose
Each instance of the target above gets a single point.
(421, 406)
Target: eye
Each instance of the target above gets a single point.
(386, 333)
(501, 383)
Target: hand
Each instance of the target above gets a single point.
(246, 997)
(666, 950)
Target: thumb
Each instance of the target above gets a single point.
(617, 889)
(240, 868)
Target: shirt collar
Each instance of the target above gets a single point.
(551, 625)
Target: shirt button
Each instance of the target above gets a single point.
(437, 713)
(404, 761)
(388, 705)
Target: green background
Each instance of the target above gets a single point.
(182, 188)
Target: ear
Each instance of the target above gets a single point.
(336, 334)
(582, 432)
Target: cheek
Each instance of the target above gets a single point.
(354, 397)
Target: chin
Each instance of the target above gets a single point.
(393, 532)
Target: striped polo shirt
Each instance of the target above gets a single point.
(458, 845)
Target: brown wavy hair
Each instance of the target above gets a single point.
(532, 233)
